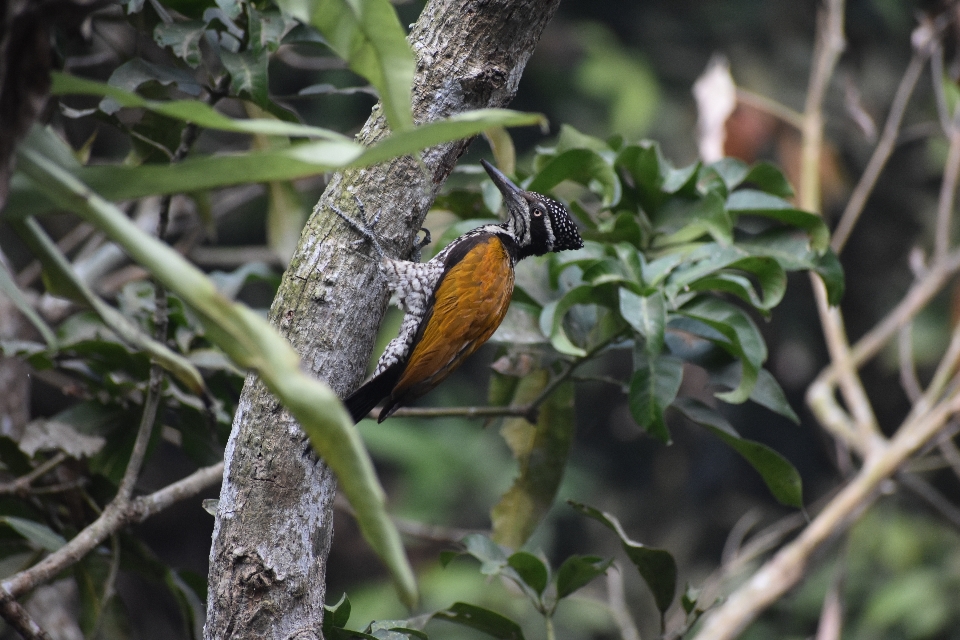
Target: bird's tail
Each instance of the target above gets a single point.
(362, 401)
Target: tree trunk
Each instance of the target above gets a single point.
(274, 523)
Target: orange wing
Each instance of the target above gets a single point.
(469, 305)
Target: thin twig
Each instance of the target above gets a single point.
(770, 107)
(528, 411)
(908, 369)
(931, 496)
(22, 484)
(831, 614)
(865, 427)
(948, 192)
(108, 584)
(459, 412)
(617, 601)
(113, 518)
(830, 44)
(140, 445)
(941, 377)
(789, 565)
(66, 244)
(18, 618)
(949, 450)
(936, 78)
(881, 153)
(415, 529)
(936, 277)
(734, 542)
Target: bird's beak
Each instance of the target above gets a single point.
(512, 194)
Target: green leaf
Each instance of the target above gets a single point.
(193, 111)
(758, 203)
(367, 34)
(689, 599)
(583, 166)
(780, 476)
(768, 177)
(769, 273)
(286, 215)
(531, 570)
(656, 566)
(337, 615)
(248, 75)
(252, 343)
(768, 393)
(491, 555)
(655, 178)
(731, 170)
(570, 138)
(541, 451)
(39, 534)
(742, 340)
(578, 571)
(623, 226)
(183, 38)
(483, 620)
(831, 272)
(248, 79)
(196, 173)
(794, 254)
(684, 221)
(647, 315)
(692, 265)
(654, 385)
(551, 318)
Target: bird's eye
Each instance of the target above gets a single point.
(537, 211)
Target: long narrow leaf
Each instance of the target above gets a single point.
(9, 287)
(368, 35)
(541, 451)
(121, 182)
(194, 111)
(252, 343)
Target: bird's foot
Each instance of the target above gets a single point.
(364, 228)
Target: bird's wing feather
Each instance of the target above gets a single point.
(468, 306)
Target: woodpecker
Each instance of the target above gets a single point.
(455, 302)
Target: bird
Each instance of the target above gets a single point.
(454, 302)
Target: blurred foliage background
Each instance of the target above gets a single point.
(605, 68)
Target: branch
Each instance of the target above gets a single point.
(18, 618)
(881, 153)
(948, 191)
(528, 411)
(908, 368)
(113, 518)
(770, 107)
(789, 565)
(925, 491)
(617, 601)
(22, 484)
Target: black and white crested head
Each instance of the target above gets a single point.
(538, 224)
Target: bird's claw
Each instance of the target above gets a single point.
(419, 244)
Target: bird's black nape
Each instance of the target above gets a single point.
(362, 401)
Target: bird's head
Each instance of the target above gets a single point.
(538, 223)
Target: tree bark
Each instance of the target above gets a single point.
(274, 522)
